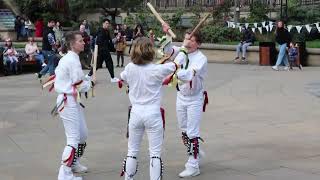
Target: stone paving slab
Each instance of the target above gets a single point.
(260, 125)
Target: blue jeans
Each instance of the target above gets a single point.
(282, 56)
(243, 47)
(50, 56)
(39, 58)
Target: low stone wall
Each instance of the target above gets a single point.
(218, 53)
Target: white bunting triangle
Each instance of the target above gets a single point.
(263, 23)
(228, 22)
(260, 29)
(238, 24)
(247, 25)
(289, 27)
(253, 30)
(308, 27)
(267, 28)
(317, 24)
(299, 28)
(270, 22)
(255, 25)
(318, 29)
(270, 27)
(240, 28)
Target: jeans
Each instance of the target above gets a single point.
(282, 56)
(50, 56)
(39, 58)
(243, 47)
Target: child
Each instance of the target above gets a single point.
(121, 45)
(293, 55)
(10, 57)
(145, 81)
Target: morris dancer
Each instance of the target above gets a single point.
(69, 82)
(145, 81)
(191, 97)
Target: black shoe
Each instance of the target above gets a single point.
(117, 66)
(122, 65)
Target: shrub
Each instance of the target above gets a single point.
(216, 34)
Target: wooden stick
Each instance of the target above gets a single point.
(199, 24)
(160, 19)
(94, 66)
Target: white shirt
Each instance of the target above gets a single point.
(192, 78)
(68, 73)
(31, 49)
(145, 82)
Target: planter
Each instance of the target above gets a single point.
(267, 53)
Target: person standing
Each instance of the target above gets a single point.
(283, 38)
(39, 28)
(48, 49)
(17, 26)
(85, 55)
(191, 97)
(121, 45)
(145, 81)
(105, 45)
(69, 82)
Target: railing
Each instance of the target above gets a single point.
(213, 3)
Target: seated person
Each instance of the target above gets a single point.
(246, 40)
(33, 52)
(10, 57)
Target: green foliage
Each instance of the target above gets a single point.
(258, 12)
(217, 34)
(221, 11)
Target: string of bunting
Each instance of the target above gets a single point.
(269, 26)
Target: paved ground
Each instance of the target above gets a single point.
(260, 125)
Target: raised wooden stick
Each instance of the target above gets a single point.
(94, 66)
(199, 24)
(160, 19)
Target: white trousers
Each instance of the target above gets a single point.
(76, 131)
(145, 118)
(189, 114)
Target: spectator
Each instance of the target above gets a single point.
(283, 38)
(49, 47)
(127, 32)
(17, 27)
(138, 32)
(105, 45)
(121, 45)
(87, 27)
(39, 28)
(293, 56)
(85, 55)
(151, 36)
(10, 57)
(33, 52)
(117, 30)
(27, 26)
(23, 32)
(246, 40)
(58, 32)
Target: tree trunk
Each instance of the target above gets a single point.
(12, 6)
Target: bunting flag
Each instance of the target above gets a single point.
(270, 23)
(289, 27)
(238, 24)
(270, 27)
(317, 24)
(318, 29)
(260, 29)
(255, 25)
(253, 30)
(233, 26)
(308, 27)
(247, 25)
(228, 22)
(267, 28)
(263, 24)
(299, 28)
(240, 28)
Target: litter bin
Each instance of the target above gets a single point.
(302, 53)
(267, 53)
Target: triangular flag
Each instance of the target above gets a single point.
(260, 29)
(270, 22)
(238, 24)
(267, 28)
(318, 29)
(247, 25)
(255, 25)
(228, 23)
(299, 28)
(317, 24)
(308, 28)
(270, 27)
(253, 30)
(289, 27)
(233, 26)
(240, 28)
(263, 23)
